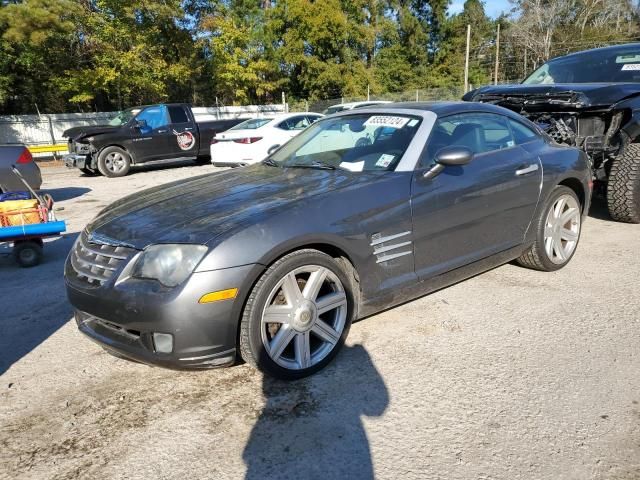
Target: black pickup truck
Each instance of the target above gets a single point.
(143, 134)
(590, 100)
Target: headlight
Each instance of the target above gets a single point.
(169, 264)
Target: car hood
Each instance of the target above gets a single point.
(198, 210)
(555, 96)
(77, 132)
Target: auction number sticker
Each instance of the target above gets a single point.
(387, 121)
(631, 66)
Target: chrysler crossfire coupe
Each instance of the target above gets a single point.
(272, 263)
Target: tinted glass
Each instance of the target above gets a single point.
(521, 133)
(178, 115)
(480, 132)
(361, 142)
(252, 124)
(294, 123)
(610, 65)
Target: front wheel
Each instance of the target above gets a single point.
(623, 186)
(298, 314)
(114, 162)
(558, 232)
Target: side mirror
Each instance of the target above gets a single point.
(273, 149)
(449, 157)
(140, 124)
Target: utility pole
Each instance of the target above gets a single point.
(368, 93)
(525, 62)
(466, 61)
(495, 77)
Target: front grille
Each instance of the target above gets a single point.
(96, 263)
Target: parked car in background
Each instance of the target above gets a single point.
(590, 100)
(274, 261)
(252, 140)
(351, 105)
(20, 156)
(142, 134)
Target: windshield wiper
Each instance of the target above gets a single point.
(270, 162)
(318, 165)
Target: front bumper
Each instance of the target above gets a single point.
(122, 317)
(76, 160)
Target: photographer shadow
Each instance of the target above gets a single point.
(312, 428)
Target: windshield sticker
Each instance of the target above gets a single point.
(387, 121)
(186, 140)
(413, 122)
(631, 66)
(385, 160)
(353, 166)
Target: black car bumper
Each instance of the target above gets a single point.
(123, 317)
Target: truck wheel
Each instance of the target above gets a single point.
(28, 253)
(90, 172)
(558, 232)
(203, 160)
(114, 162)
(623, 187)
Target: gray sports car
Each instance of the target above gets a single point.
(362, 211)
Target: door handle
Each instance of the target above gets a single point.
(188, 129)
(163, 131)
(531, 168)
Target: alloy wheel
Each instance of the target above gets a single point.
(304, 317)
(562, 229)
(115, 162)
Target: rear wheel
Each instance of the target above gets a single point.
(89, 171)
(298, 315)
(114, 162)
(623, 186)
(558, 232)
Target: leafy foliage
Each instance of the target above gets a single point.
(69, 55)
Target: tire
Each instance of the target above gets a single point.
(623, 186)
(298, 329)
(203, 160)
(548, 253)
(27, 254)
(114, 162)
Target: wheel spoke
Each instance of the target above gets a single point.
(291, 289)
(277, 314)
(302, 347)
(548, 231)
(281, 340)
(559, 207)
(331, 301)
(568, 215)
(568, 235)
(325, 332)
(314, 284)
(557, 246)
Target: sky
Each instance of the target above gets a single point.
(493, 7)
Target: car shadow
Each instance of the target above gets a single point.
(66, 193)
(34, 301)
(599, 209)
(312, 428)
(164, 165)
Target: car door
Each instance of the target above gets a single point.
(185, 141)
(151, 134)
(470, 212)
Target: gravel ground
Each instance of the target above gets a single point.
(512, 374)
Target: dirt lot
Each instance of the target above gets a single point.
(513, 374)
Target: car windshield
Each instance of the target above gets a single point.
(334, 109)
(252, 124)
(610, 65)
(358, 142)
(124, 117)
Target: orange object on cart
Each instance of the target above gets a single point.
(21, 212)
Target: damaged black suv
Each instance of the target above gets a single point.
(590, 100)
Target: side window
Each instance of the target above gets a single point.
(479, 132)
(294, 123)
(312, 118)
(155, 117)
(178, 115)
(521, 133)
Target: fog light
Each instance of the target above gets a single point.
(163, 342)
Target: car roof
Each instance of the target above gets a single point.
(355, 104)
(280, 116)
(442, 109)
(613, 48)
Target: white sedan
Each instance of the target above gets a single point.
(252, 140)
